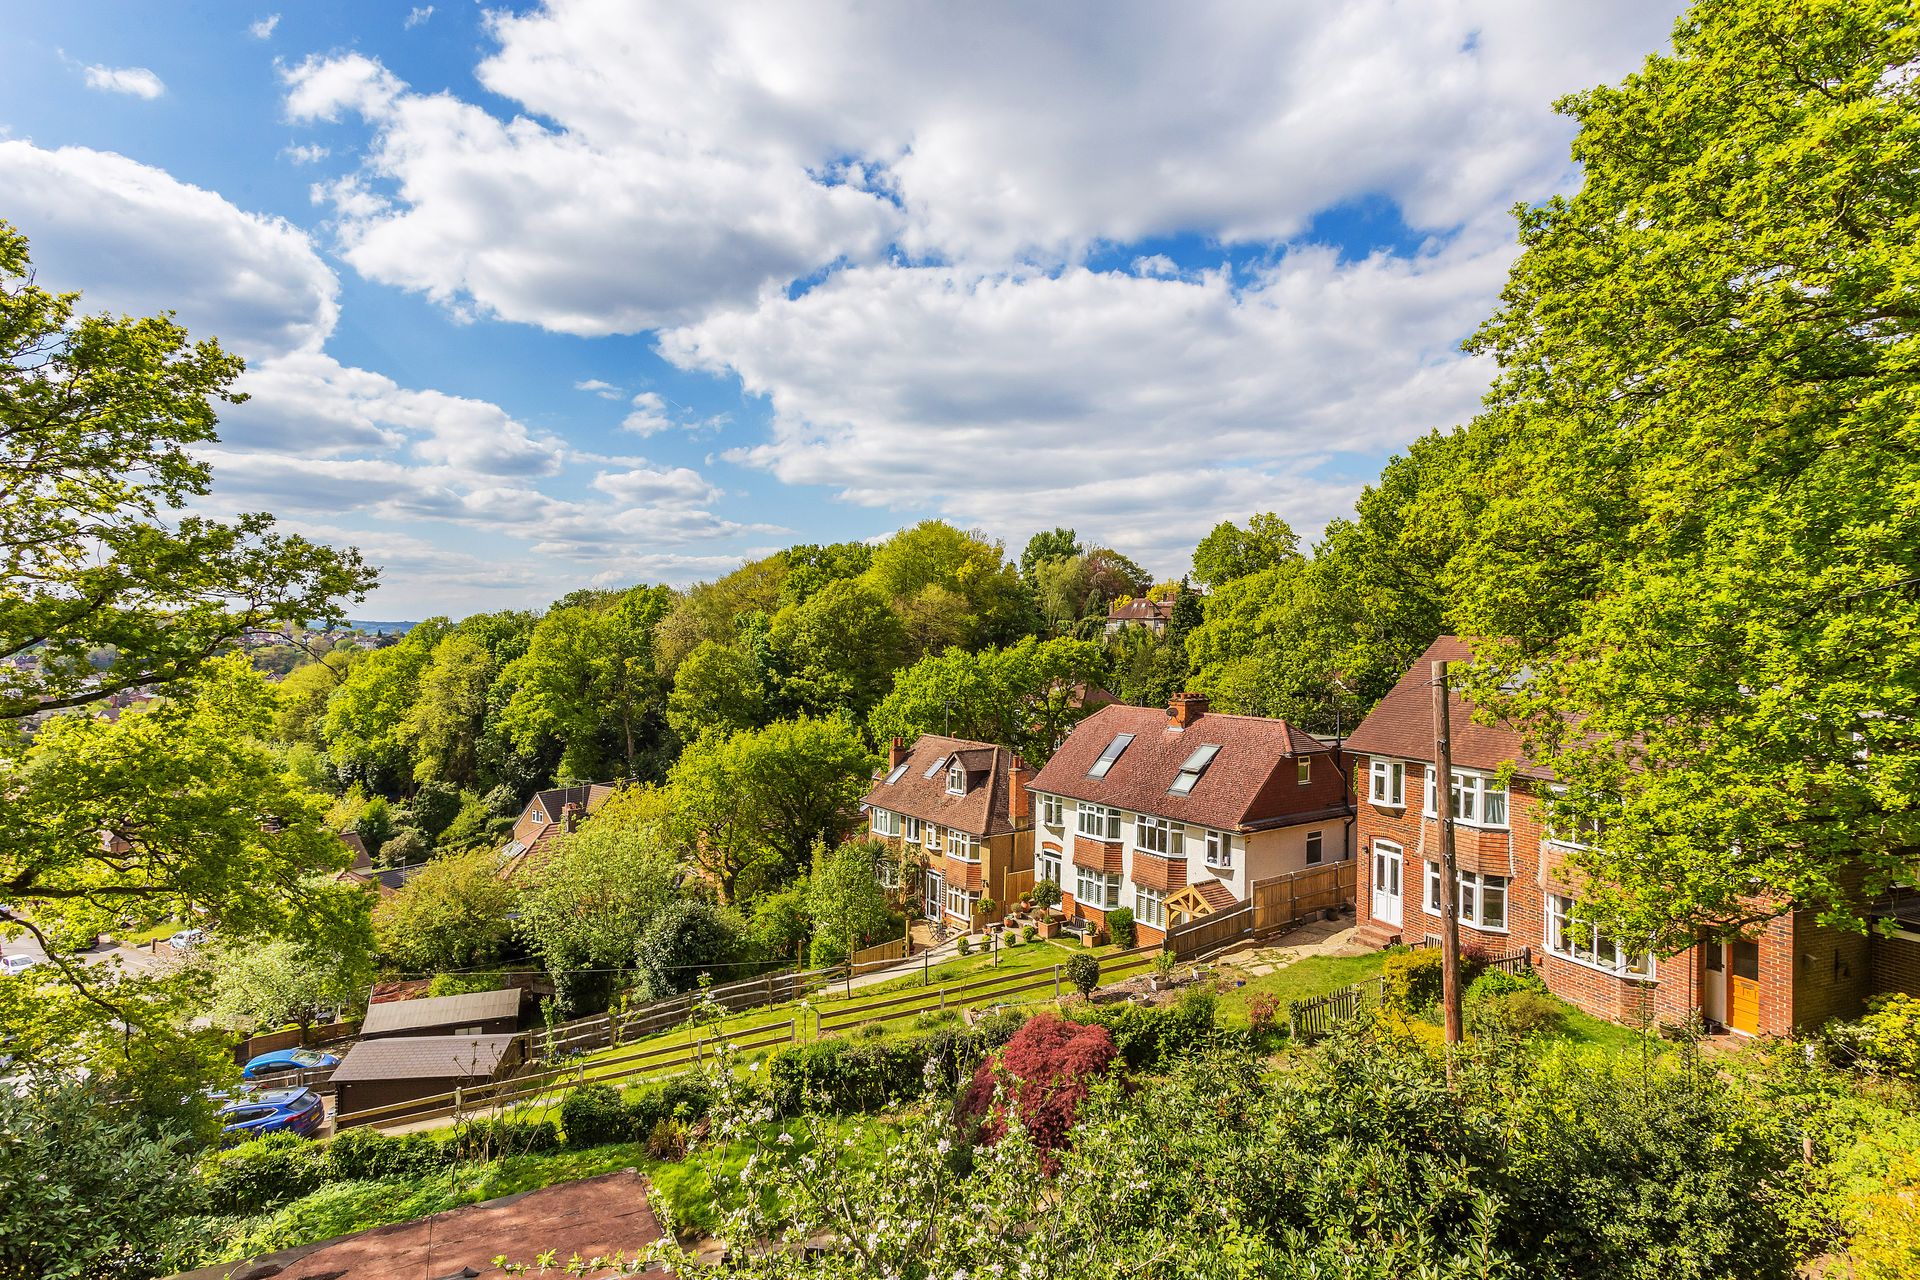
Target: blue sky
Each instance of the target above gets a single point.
(603, 292)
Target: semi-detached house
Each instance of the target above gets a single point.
(1173, 814)
(1515, 888)
(957, 811)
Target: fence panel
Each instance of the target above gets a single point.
(1018, 882)
(1282, 900)
(1313, 1017)
(1208, 932)
(894, 950)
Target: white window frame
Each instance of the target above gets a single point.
(1097, 821)
(956, 780)
(1050, 814)
(1303, 771)
(886, 822)
(962, 846)
(910, 828)
(887, 872)
(1387, 786)
(1150, 906)
(1589, 828)
(1220, 850)
(1046, 866)
(1584, 944)
(1474, 795)
(1159, 836)
(1316, 848)
(958, 902)
(1107, 884)
(1470, 897)
(930, 837)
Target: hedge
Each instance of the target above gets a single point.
(845, 1077)
(1148, 1035)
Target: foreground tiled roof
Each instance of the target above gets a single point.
(1401, 725)
(1250, 782)
(985, 809)
(1218, 895)
(442, 1011)
(423, 1058)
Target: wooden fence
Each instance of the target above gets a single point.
(939, 999)
(639, 1021)
(1207, 933)
(1299, 895)
(314, 1037)
(1318, 1015)
(894, 950)
(1018, 882)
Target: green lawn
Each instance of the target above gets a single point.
(1302, 980)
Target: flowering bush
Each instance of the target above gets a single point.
(1042, 1075)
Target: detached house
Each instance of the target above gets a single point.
(958, 810)
(549, 815)
(1515, 890)
(1173, 814)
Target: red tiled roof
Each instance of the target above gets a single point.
(1401, 725)
(1218, 895)
(543, 821)
(985, 809)
(1141, 611)
(1250, 783)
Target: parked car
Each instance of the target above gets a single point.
(16, 964)
(288, 1060)
(272, 1111)
(187, 939)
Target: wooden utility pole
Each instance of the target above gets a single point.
(1449, 873)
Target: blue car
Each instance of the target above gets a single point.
(273, 1111)
(288, 1060)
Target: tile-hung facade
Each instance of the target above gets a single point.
(960, 808)
(1515, 889)
(1140, 804)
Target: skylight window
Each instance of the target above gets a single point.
(897, 771)
(1107, 757)
(935, 767)
(1196, 764)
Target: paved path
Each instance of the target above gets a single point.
(1319, 938)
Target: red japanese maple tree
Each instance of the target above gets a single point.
(1044, 1072)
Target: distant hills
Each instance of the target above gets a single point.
(381, 628)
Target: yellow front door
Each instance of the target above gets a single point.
(1743, 986)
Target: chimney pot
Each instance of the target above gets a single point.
(1019, 803)
(1185, 708)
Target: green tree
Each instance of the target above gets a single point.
(452, 915)
(589, 679)
(303, 696)
(839, 650)
(715, 610)
(1230, 552)
(1700, 528)
(86, 1191)
(811, 567)
(717, 689)
(443, 726)
(757, 801)
(1049, 544)
(970, 565)
(585, 904)
(1025, 696)
(845, 901)
(366, 725)
(687, 939)
(266, 984)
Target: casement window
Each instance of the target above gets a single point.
(910, 829)
(1303, 770)
(1481, 900)
(1157, 835)
(931, 837)
(1478, 801)
(1050, 811)
(1096, 889)
(1220, 850)
(1565, 827)
(1577, 940)
(960, 902)
(963, 846)
(1046, 866)
(1315, 848)
(956, 781)
(1387, 785)
(886, 822)
(1150, 906)
(887, 872)
(1099, 821)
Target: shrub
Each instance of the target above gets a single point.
(1147, 1036)
(685, 937)
(870, 1030)
(1083, 970)
(1046, 893)
(460, 984)
(1120, 926)
(1043, 1074)
(1263, 1011)
(928, 1019)
(491, 1137)
(668, 1139)
(405, 847)
(1508, 1004)
(365, 1154)
(965, 947)
(1888, 1037)
(1012, 937)
(1412, 978)
(684, 1097)
(592, 1115)
(1028, 933)
(844, 1077)
(434, 807)
(263, 1173)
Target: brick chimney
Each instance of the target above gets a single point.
(570, 815)
(1019, 803)
(1185, 708)
(896, 754)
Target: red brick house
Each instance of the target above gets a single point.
(549, 815)
(956, 810)
(1516, 891)
(1180, 811)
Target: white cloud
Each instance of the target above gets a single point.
(418, 17)
(605, 390)
(666, 487)
(306, 153)
(649, 416)
(137, 82)
(262, 29)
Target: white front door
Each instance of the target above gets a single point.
(936, 887)
(1386, 882)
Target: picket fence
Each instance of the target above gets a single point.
(1313, 1017)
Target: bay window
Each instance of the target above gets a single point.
(1096, 889)
(1150, 906)
(886, 822)
(1387, 786)
(963, 846)
(1589, 945)
(1099, 821)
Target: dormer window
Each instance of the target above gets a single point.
(956, 780)
(1303, 771)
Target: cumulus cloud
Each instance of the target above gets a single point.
(135, 82)
(417, 17)
(605, 390)
(306, 153)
